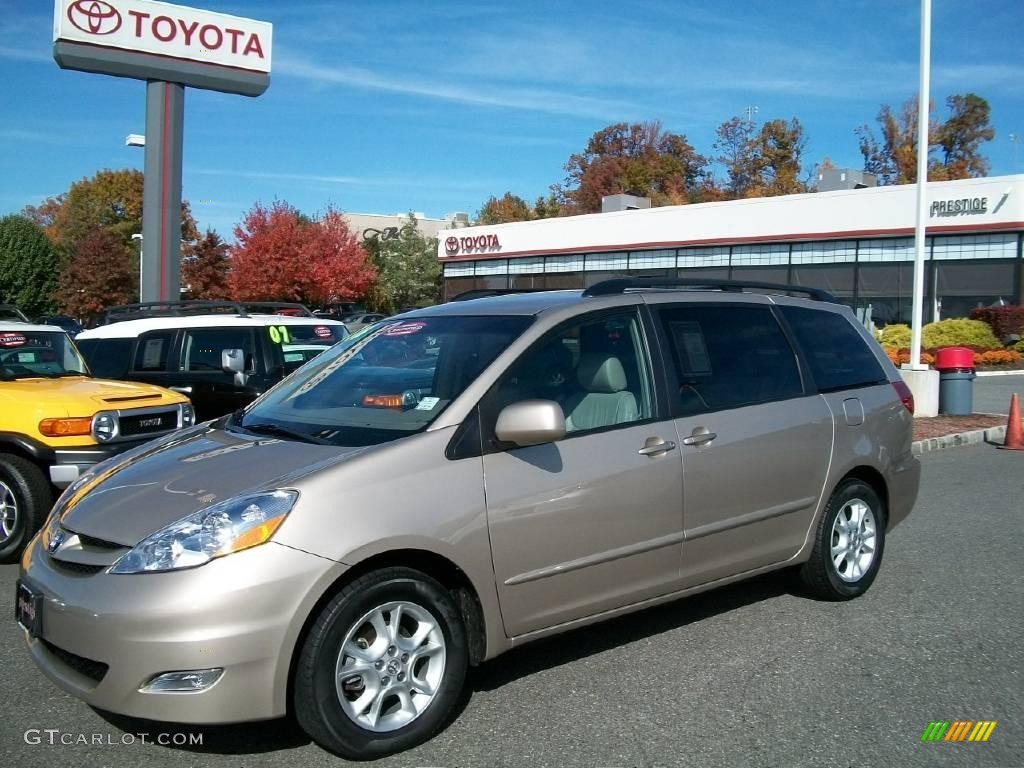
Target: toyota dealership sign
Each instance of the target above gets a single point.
(160, 41)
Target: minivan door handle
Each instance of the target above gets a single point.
(182, 390)
(655, 446)
(699, 436)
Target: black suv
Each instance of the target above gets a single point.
(221, 354)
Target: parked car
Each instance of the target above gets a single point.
(221, 354)
(68, 324)
(56, 422)
(458, 481)
(11, 312)
(356, 322)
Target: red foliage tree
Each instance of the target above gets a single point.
(205, 266)
(280, 255)
(100, 273)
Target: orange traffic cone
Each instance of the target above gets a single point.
(1014, 432)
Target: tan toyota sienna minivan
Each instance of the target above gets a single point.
(451, 483)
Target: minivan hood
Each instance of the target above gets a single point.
(182, 476)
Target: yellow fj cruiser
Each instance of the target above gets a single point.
(56, 421)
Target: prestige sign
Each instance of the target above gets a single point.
(968, 206)
(166, 30)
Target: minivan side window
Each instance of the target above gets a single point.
(727, 356)
(596, 369)
(836, 353)
(152, 350)
(202, 347)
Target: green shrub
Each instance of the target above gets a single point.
(1019, 346)
(895, 335)
(959, 332)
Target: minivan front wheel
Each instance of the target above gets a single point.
(849, 543)
(382, 666)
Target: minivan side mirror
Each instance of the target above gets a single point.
(232, 360)
(530, 422)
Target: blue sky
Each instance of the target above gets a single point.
(433, 106)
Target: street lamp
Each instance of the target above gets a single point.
(135, 140)
(1015, 140)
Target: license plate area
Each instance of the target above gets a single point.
(28, 610)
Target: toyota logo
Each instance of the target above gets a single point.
(451, 244)
(94, 16)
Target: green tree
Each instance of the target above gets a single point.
(100, 273)
(636, 159)
(779, 149)
(735, 142)
(408, 272)
(28, 265)
(507, 208)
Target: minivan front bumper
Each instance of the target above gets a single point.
(104, 636)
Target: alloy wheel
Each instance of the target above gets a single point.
(390, 666)
(853, 540)
(8, 512)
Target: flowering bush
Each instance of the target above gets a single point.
(901, 355)
(997, 357)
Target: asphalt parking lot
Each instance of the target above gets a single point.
(750, 675)
(992, 393)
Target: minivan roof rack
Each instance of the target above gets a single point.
(146, 309)
(623, 284)
(482, 293)
(11, 312)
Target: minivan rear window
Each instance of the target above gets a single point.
(838, 356)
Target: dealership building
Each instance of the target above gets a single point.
(856, 243)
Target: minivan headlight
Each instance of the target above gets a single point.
(220, 529)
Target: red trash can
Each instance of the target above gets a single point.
(956, 380)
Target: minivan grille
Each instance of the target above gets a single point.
(148, 423)
(94, 670)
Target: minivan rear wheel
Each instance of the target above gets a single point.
(849, 542)
(382, 666)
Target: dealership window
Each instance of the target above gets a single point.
(697, 273)
(837, 279)
(493, 267)
(763, 253)
(568, 280)
(526, 266)
(704, 257)
(573, 263)
(827, 252)
(458, 269)
(890, 249)
(526, 282)
(963, 287)
(607, 262)
(764, 274)
(887, 288)
(998, 246)
(648, 260)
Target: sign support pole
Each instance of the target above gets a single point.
(161, 193)
(923, 119)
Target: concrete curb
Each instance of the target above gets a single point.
(974, 437)
(1000, 373)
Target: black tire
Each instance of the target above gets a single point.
(820, 574)
(32, 498)
(315, 701)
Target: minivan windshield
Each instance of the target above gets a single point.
(387, 381)
(38, 354)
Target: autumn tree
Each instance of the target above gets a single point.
(636, 159)
(960, 137)
(779, 149)
(110, 200)
(28, 265)
(280, 255)
(892, 155)
(408, 272)
(100, 273)
(507, 208)
(204, 267)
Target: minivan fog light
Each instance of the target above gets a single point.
(189, 681)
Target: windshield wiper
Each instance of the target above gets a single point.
(265, 428)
